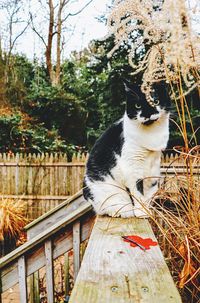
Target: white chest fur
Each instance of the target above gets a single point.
(152, 137)
(141, 152)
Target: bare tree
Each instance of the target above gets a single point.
(61, 19)
(16, 25)
(58, 12)
(13, 26)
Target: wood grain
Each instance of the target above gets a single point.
(22, 280)
(49, 271)
(114, 272)
(35, 257)
(40, 180)
(76, 247)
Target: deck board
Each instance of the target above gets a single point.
(114, 272)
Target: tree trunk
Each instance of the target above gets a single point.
(58, 48)
(50, 39)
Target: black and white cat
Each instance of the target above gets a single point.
(123, 168)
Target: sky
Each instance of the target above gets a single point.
(85, 27)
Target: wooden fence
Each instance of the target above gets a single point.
(43, 181)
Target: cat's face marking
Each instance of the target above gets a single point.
(138, 108)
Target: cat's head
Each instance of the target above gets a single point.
(138, 108)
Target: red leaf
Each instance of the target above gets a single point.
(145, 242)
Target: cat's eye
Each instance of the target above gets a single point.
(156, 102)
(137, 106)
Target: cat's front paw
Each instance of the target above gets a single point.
(142, 212)
(126, 211)
(127, 214)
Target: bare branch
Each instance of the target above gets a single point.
(63, 4)
(35, 30)
(19, 35)
(71, 35)
(76, 13)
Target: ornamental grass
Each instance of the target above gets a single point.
(12, 218)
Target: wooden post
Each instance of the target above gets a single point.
(66, 274)
(0, 288)
(76, 248)
(31, 286)
(34, 288)
(22, 279)
(49, 271)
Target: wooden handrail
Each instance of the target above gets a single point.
(114, 272)
(69, 232)
(45, 234)
(52, 211)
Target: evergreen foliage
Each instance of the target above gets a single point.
(38, 117)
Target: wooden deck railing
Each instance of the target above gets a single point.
(65, 233)
(114, 272)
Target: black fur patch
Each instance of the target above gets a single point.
(103, 155)
(136, 101)
(131, 197)
(86, 192)
(161, 92)
(140, 186)
(154, 183)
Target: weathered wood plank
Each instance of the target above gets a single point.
(76, 247)
(34, 197)
(0, 288)
(66, 274)
(49, 271)
(114, 272)
(36, 287)
(22, 279)
(54, 215)
(74, 215)
(35, 259)
(31, 287)
(57, 164)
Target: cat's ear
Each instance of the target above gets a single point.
(162, 90)
(126, 86)
(131, 90)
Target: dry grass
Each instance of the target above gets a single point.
(177, 215)
(12, 218)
